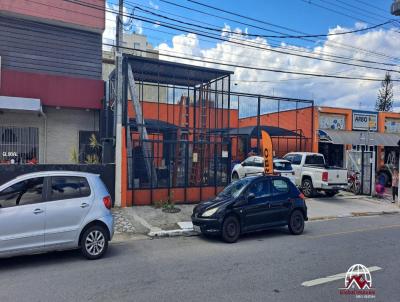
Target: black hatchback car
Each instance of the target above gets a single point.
(252, 204)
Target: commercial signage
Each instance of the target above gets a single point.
(392, 125)
(364, 120)
(267, 153)
(332, 121)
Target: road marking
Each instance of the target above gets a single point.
(334, 278)
(354, 231)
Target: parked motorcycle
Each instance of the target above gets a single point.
(354, 182)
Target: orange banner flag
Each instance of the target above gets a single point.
(267, 153)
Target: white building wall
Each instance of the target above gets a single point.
(63, 126)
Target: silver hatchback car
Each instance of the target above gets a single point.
(55, 210)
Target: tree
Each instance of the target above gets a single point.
(384, 102)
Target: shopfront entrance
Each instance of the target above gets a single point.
(333, 153)
(362, 164)
(19, 145)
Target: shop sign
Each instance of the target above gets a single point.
(363, 120)
(392, 125)
(332, 122)
(9, 154)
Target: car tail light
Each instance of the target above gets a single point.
(325, 176)
(107, 202)
(301, 195)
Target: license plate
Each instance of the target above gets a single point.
(196, 228)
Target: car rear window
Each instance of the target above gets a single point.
(282, 166)
(316, 160)
(67, 187)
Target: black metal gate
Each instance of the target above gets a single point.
(181, 164)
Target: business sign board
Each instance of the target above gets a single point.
(392, 125)
(332, 121)
(365, 120)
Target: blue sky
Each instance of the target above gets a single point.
(307, 16)
(295, 14)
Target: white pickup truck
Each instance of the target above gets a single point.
(312, 174)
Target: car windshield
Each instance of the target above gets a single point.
(282, 166)
(235, 188)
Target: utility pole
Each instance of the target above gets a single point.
(395, 10)
(118, 126)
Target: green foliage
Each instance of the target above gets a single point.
(384, 102)
(74, 156)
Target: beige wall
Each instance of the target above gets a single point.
(63, 126)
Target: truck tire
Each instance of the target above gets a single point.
(307, 187)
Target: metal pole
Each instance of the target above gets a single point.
(258, 123)
(118, 132)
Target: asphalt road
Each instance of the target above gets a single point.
(267, 266)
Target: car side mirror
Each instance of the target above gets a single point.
(241, 202)
(250, 197)
(243, 164)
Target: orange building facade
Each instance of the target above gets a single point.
(336, 120)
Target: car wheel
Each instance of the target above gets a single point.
(296, 223)
(231, 229)
(94, 242)
(235, 176)
(331, 193)
(307, 187)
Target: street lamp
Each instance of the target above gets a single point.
(395, 8)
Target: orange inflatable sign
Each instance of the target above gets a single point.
(267, 153)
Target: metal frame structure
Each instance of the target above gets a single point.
(183, 124)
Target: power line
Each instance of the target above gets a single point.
(302, 73)
(231, 64)
(375, 53)
(231, 40)
(258, 68)
(364, 10)
(251, 44)
(277, 45)
(272, 36)
(209, 61)
(350, 8)
(334, 11)
(370, 5)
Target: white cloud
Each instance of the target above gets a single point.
(325, 91)
(155, 6)
(111, 24)
(156, 24)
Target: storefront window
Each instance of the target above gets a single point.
(19, 145)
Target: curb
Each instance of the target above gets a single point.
(172, 233)
(123, 237)
(355, 214)
(158, 233)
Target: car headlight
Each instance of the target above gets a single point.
(209, 212)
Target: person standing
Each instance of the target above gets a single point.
(395, 183)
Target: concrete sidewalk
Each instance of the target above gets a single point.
(153, 222)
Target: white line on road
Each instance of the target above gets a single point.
(334, 277)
